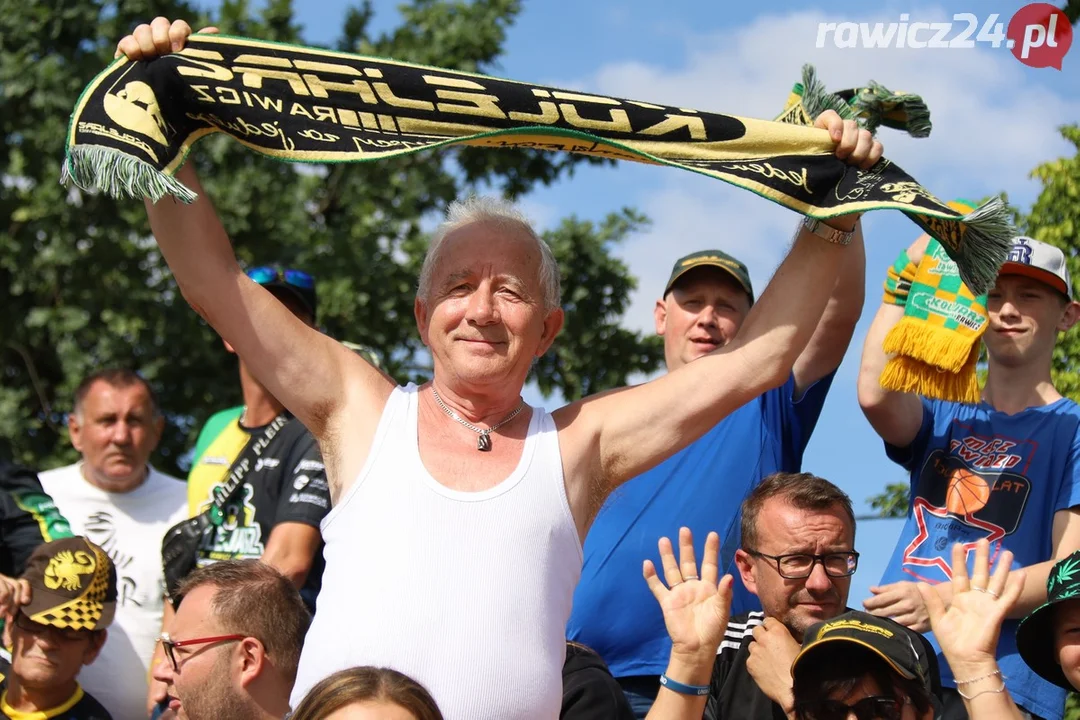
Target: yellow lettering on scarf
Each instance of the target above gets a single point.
(387, 96)
(676, 122)
(619, 122)
(797, 178)
(210, 71)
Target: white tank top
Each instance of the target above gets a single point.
(466, 592)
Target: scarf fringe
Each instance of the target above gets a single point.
(95, 167)
(876, 103)
(907, 375)
(986, 245)
(931, 344)
(816, 99)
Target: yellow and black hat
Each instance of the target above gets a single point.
(899, 647)
(711, 258)
(73, 585)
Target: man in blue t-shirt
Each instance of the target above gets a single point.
(703, 306)
(1006, 469)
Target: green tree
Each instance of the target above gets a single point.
(893, 502)
(83, 286)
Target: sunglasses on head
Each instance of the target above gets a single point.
(265, 275)
(869, 708)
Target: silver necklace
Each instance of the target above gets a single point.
(483, 442)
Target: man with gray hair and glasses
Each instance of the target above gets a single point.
(459, 510)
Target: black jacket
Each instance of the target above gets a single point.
(589, 690)
(28, 517)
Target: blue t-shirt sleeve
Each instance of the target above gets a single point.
(906, 457)
(797, 415)
(1069, 492)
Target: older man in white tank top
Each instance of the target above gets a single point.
(455, 543)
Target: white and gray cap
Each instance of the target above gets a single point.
(1039, 261)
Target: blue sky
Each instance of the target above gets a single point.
(994, 120)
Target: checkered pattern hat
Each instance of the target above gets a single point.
(73, 585)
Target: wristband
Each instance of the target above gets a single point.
(683, 688)
(898, 280)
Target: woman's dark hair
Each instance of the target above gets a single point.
(837, 668)
(346, 687)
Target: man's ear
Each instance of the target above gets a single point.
(660, 317)
(1069, 316)
(745, 563)
(253, 660)
(420, 311)
(75, 430)
(553, 323)
(97, 641)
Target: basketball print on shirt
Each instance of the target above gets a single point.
(975, 490)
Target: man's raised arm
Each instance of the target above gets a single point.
(311, 374)
(895, 416)
(831, 338)
(618, 435)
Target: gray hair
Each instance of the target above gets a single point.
(503, 215)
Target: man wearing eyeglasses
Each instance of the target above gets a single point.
(275, 512)
(72, 587)
(232, 649)
(797, 555)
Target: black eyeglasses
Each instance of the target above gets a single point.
(266, 274)
(798, 566)
(36, 628)
(869, 708)
(170, 645)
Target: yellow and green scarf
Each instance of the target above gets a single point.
(936, 344)
(136, 121)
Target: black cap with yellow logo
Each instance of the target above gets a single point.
(72, 584)
(711, 258)
(899, 647)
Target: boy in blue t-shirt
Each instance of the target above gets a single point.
(1005, 469)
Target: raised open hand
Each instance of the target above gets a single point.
(696, 607)
(968, 630)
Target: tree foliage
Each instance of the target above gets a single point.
(83, 286)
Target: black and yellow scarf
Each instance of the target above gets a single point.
(136, 121)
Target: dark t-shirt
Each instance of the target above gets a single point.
(80, 706)
(733, 694)
(28, 517)
(589, 690)
(286, 483)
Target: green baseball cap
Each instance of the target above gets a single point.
(712, 258)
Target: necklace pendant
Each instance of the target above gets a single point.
(483, 442)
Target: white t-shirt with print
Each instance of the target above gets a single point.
(129, 527)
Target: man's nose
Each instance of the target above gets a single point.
(163, 671)
(708, 317)
(121, 432)
(482, 308)
(819, 579)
